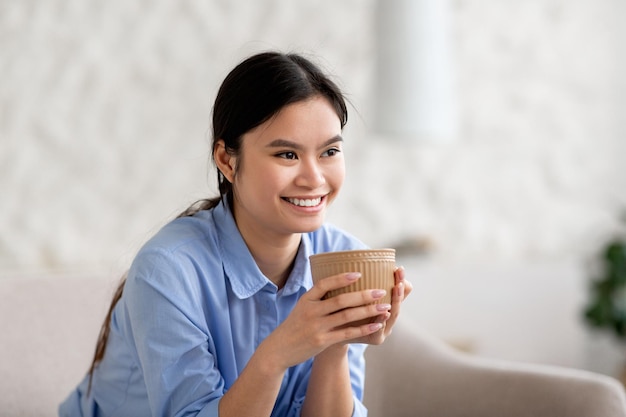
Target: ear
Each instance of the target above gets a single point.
(225, 161)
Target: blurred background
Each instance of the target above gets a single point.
(486, 142)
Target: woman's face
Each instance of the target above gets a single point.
(289, 170)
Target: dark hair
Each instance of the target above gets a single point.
(252, 93)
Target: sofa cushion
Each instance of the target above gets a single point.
(49, 328)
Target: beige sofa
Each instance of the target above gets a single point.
(49, 326)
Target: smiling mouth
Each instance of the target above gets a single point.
(304, 202)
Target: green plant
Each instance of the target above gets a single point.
(607, 307)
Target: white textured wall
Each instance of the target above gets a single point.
(105, 106)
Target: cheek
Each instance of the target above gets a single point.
(273, 179)
(263, 183)
(337, 175)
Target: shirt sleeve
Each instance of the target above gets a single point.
(166, 325)
(356, 360)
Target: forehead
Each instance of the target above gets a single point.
(314, 120)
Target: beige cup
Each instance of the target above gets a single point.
(375, 265)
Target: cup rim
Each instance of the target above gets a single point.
(382, 254)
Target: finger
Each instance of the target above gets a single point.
(408, 287)
(397, 297)
(394, 313)
(396, 300)
(383, 318)
(354, 332)
(400, 276)
(333, 282)
(378, 337)
(351, 299)
(349, 316)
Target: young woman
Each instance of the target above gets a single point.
(218, 314)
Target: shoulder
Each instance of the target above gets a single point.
(184, 246)
(180, 265)
(183, 235)
(330, 238)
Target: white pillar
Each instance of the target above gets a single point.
(415, 97)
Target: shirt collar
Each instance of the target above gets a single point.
(244, 275)
(300, 276)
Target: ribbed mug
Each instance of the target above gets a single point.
(375, 265)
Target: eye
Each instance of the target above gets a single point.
(331, 152)
(287, 155)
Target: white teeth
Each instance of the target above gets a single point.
(305, 202)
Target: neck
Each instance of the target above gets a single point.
(276, 261)
(274, 254)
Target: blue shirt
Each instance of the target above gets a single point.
(194, 309)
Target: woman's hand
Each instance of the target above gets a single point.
(316, 323)
(400, 292)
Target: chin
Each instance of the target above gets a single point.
(311, 229)
(308, 227)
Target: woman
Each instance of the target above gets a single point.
(218, 314)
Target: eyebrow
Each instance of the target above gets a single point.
(284, 143)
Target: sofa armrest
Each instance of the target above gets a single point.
(413, 374)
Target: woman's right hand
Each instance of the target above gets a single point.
(316, 323)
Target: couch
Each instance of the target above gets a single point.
(49, 326)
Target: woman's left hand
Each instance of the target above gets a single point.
(400, 292)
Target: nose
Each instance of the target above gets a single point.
(310, 174)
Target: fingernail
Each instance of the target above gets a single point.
(352, 276)
(374, 327)
(378, 293)
(383, 307)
